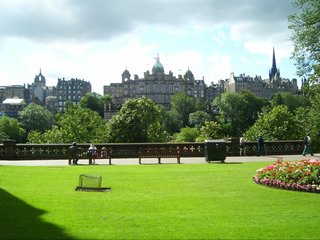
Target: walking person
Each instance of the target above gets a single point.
(260, 143)
(307, 146)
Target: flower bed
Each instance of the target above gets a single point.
(301, 175)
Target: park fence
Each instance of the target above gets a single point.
(9, 150)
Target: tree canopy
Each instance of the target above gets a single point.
(35, 118)
(238, 111)
(96, 102)
(183, 105)
(277, 123)
(139, 120)
(10, 128)
(305, 29)
(76, 124)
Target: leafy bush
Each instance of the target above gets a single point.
(298, 175)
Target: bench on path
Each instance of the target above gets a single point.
(90, 154)
(153, 152)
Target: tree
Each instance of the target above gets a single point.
(183, 105)
(35, 117)
(198, 118)
(292, 101)
(76, 124)
(233, 109)
(139, 120)
(96, 102)
(171, 121)
(306, 38)
(210, 130)
(11, 128)
(277, 123)
(186, 135)
(253, 108)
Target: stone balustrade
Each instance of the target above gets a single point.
(9, 150)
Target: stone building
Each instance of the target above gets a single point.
(12, 100)
(70, 90)
(39, 91)
(13, 91)
(157, 85)
(262, 87)
(12, 106)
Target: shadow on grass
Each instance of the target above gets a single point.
(22, 221)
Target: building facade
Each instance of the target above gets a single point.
(70, 90)
(156, 85)
(264, 88)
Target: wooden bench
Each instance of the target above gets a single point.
(153, 152)
(89, 154)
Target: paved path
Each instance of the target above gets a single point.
(132, 161)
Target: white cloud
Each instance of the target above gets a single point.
(220, 67)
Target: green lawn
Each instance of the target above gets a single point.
(168, 201)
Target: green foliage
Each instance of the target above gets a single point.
(76, 124)
(186, 135)
(171, 121)
(254, 105)
(238, 111)
(35, 117)
(183, 105)
(210, 130)
(308, 120)
(139, 120)
(96, 102)
(306, 38)
(277, 123)
(198, 118)
(10, 128)
(292, 101)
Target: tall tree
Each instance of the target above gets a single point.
(305, 29)
(139, 120)
(210, 130)
(292, 101)
(233, 109)
(277, 123)
(183, 105)
(96, 102)
(198, 118)
(11, 128)
(76, 124)
(254, 107)
(35, 117)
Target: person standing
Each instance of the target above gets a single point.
(260, 144)
(307, 146)
(241, 145)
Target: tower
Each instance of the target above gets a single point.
(274, 72)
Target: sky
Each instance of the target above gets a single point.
(97, 40)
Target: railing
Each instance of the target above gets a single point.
(11, 151)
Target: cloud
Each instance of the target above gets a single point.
(105, 19)
(97, 40)
(220, 67)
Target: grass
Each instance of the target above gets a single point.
(168, 201)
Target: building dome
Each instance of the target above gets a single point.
(126, 72)
(157, 67)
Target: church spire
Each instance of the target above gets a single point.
(274, 71)
(274, 65)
